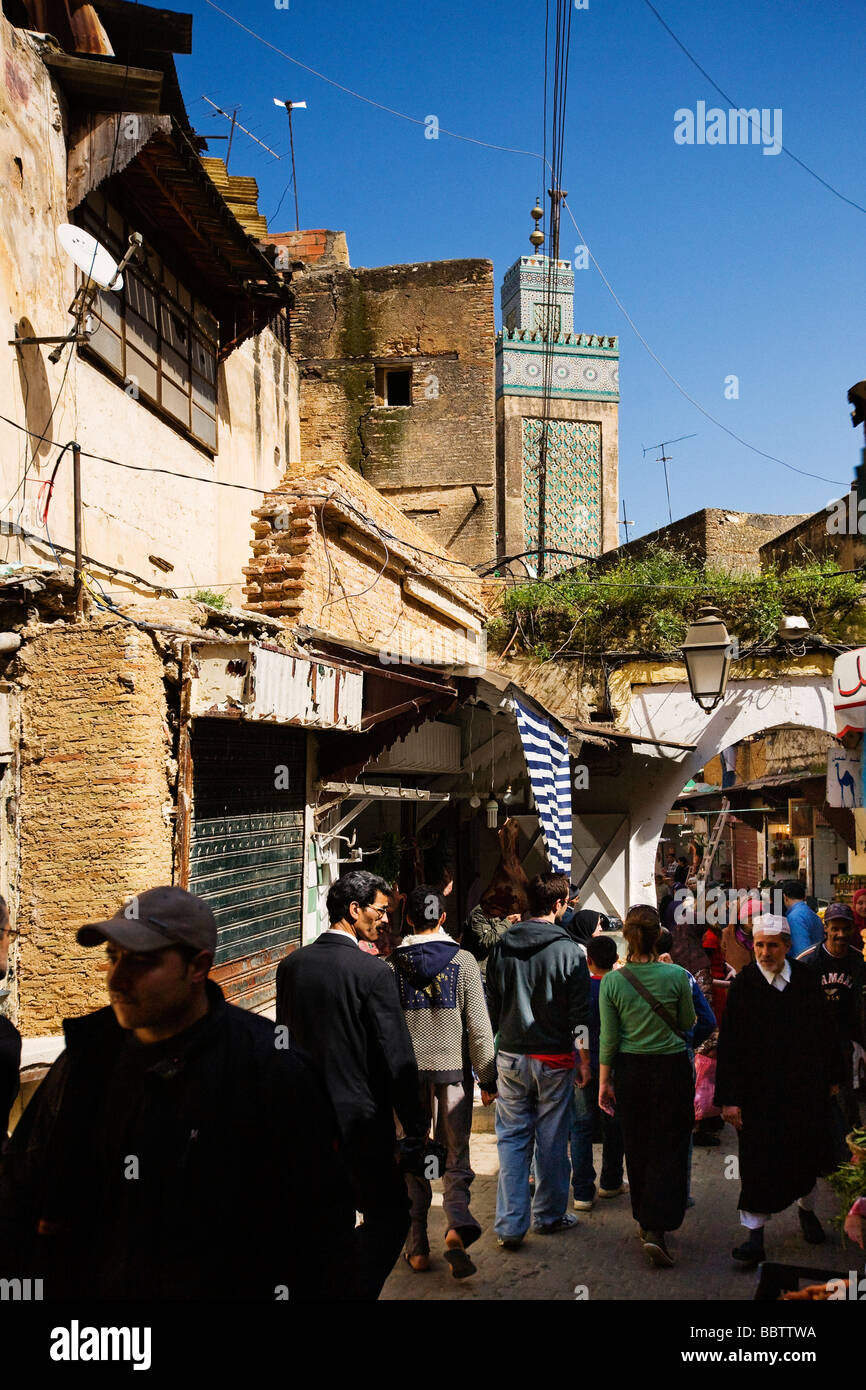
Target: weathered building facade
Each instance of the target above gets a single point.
(396, 381)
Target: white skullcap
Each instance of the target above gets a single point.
(771, 924)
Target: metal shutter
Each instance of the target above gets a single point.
(246, 848)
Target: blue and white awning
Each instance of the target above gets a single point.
(545, 747)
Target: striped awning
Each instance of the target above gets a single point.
(545, 747)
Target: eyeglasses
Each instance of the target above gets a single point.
(12, 932)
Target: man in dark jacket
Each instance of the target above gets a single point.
(538, 994)
(778, 1064)
(341, 1006)
(10, 1038)
(442, 998)
(840, 968)
(170, 1116)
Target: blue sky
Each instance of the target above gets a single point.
(731, 262)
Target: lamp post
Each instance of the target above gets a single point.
(707, 654)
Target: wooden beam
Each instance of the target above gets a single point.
(106, 85)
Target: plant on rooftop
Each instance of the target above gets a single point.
(211, 598)
(647, 603)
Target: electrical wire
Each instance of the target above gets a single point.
(682, 390)
(734, 105)
(415, 120)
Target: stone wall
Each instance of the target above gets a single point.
(836, 530)
(435, 458)
(94, 797)
(729, 541)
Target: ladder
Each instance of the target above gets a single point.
(718, 828)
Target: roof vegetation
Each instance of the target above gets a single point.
(647, 603)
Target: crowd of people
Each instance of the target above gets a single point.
(319, 1133)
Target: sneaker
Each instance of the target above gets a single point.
(551, 1227)
(613, 1191)
(813, 1231)
(657, 1251)
(509, 1242)
(584, 1203)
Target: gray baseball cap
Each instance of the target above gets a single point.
(156, 918)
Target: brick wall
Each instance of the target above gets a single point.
(319, 247)
(320, 559)
(436, 457)
(93, 788)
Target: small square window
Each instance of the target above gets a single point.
(398, 387)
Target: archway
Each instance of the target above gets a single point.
(667, 711)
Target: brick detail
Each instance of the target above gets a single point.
(93, 787)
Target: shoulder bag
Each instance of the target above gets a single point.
(657, 1007)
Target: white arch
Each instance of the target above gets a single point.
(668, 712)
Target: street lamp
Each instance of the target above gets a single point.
(707, 654)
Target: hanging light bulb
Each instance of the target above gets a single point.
(508, 795)
(475, 801)
(492, 809)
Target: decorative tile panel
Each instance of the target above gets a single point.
(572, 488)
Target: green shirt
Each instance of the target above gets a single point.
(628, 1024)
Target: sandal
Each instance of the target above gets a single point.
(417, 1269)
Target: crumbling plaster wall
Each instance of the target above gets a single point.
(129, 515)
(436, 318)
(96, 788)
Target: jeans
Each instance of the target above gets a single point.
(533, 1108)
(586, 1115)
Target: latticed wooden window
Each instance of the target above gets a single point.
(153, 335)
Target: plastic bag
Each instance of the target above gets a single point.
(705, 1085)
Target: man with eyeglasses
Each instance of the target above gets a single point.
(10, 1038)
(342, 1007)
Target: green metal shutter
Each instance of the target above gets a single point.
(246, 847)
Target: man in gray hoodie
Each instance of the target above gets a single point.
(443, 1002)
(539, 1000)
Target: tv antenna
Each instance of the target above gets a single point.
(666, 459)
(236, 123)
(101, 272)
(625, 524)
(290, 107)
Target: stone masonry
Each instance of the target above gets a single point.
(94, 793)
(434, 458)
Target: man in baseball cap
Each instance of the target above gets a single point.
(160, 946)
(838, 963)
(166, 1111)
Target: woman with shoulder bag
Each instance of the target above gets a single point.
(646, 1009)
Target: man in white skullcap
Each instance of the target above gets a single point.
(778, 1065)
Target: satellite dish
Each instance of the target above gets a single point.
(96, 263)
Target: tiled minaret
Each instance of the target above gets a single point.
(580, 486)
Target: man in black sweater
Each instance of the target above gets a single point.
(169, 1115)
(342, 1007)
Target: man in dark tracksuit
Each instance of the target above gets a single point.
(174, 1150)
(538, 995)
(341, 1006)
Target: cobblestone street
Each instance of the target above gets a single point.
(603, 1253)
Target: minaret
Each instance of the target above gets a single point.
(572, 473)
